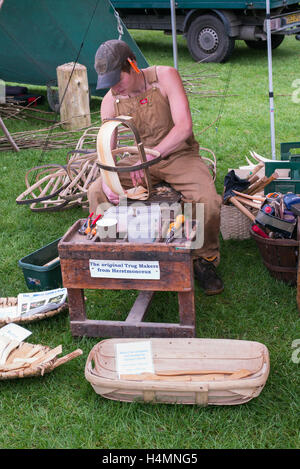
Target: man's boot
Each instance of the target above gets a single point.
(206, 274)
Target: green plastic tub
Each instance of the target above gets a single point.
(39, 276)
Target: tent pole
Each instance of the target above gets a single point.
(173, 20)
(271, 95)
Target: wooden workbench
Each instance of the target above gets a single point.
(77, 255)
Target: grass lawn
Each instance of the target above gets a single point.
(61, 410)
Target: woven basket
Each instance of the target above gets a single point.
(234, 224)
(13, 301)
(187, 371)
(28, 360)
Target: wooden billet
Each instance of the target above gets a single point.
(273, 176)
(255, 187)
(255, 170)
(253, 179)
(260, 185)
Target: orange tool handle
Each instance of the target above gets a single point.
(178, 222)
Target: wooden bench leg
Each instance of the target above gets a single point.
(134, 325)
(76, 304)
(186, 301)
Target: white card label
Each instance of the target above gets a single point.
(134, 358)
(15, 332)
(125, 269)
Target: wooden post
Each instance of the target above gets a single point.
(73, 91)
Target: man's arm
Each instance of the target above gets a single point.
(171, 86)
(107, 110)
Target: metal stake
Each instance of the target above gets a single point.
(173, 20)
(271, 95)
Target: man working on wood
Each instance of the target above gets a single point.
(155, 98)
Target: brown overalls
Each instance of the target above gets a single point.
(184, 169)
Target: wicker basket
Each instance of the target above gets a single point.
(234, 224)
(187, 371)
(28, 360)
(280, 256)
(13, 301)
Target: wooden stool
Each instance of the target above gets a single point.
(152, 267)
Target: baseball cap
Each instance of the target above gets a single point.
(108, 62)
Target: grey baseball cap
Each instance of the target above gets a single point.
(108, 62)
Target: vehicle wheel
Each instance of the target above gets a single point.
(263, 45)
(208, 41)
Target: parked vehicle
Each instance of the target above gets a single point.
(212, 27)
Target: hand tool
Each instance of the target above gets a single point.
(88, 229)
(233, 183)
(173, 227)
(272, 196)
(268, 209)
(292, 202)
(248, 202)
(85, 225)
(241, 208)
(275, 224)
(92, 228)
(90, 224)
(259, 231)
(96, 219)
(92, 233)
(258, 198)
(288, 216)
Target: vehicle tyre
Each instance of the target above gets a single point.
(208, 41)
(263, 45)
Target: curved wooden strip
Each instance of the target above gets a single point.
(107, 162)
(21, 199)
(105, 156)
(137, 167)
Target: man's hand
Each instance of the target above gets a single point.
(138, 176)
(112, 197)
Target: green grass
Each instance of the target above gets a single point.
(61, 410)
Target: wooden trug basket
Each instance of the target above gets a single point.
(187, 371)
